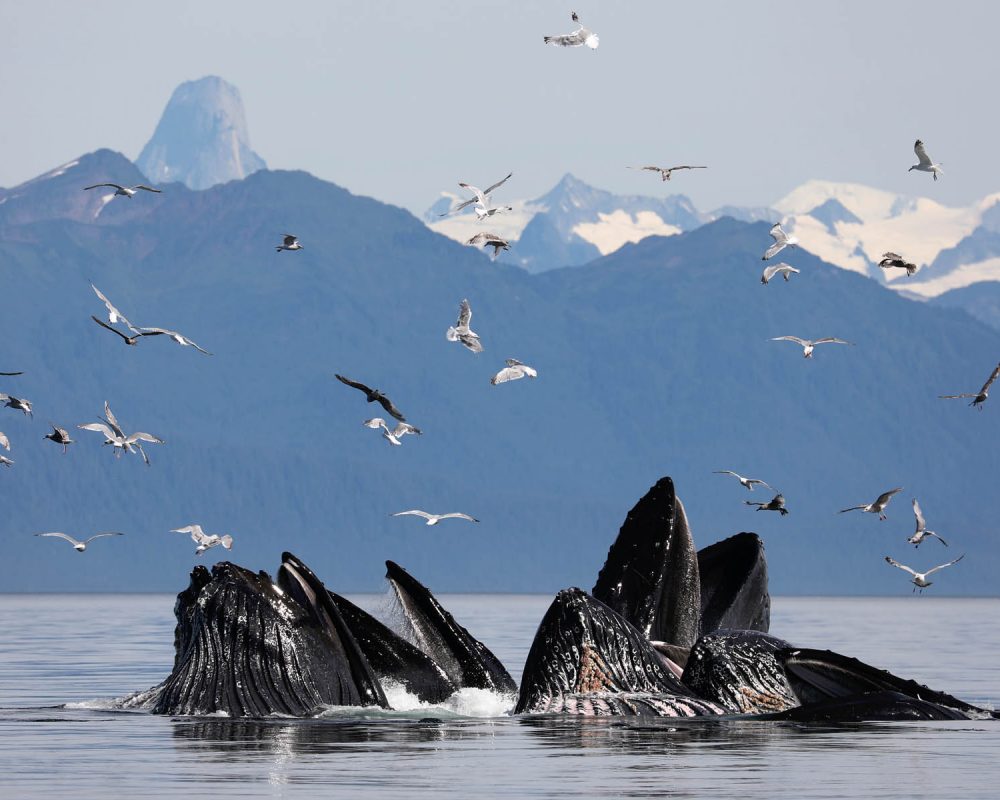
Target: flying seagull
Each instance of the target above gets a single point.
(434, 519)
(114, 315)
(5, 461)
(78, 545)
(979, 397)
(205, 541)
(921, 532)
(581, 36)
(114, 435)
(776, 503)
(486, 194)
(493, 240)
(461, 332)
(894, 260)
(807, 344)
(483, 208)
(180, 338)
(374, 396)
(665, 171)
(781, 241)
(4, 441)
(124, 191)
(785, 269)
(920, 578)
(877, 507)
(16, 403)
(747, 482)
(60, 436)
(515, 370)
(393, 436)
(291, 242)
(924, 160)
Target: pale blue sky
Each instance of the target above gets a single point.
(400, 100)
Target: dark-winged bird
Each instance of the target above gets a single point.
(374, 396)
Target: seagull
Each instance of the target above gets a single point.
(60, 436)
(5, 461)
(114, 315)
(665, 171)
(78, 545)
(878, 507)
(393, 436)
(434, 519)
(17, 403)
(924, 160)
(124, 191)
(493, 240)
(205, 541)
(515, 370)
(774, 269)
(114, 435)
(921, 532)
(180, 338)
(776, 503)
(893, 260)
(781, 241)
(920, 578)
(577, 38)
(461, 332)
(291, 242)
(485, 193)
(374, 396)
(4, 441)
(979, 397)
(807, 344)
(747, 482)
(483, 209)
(130, 340)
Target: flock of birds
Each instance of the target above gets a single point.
(128, 443)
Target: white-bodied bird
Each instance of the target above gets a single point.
(665, 172)
(124, 191)
(434, 519)
(581, 36)
(878, 505)
(785, 269)
(515, 370)
(205, 541)
(461, 332)
(77, 544)
(781, 241)
(920, 578)
(924, 161)
(396, 434)
(921, 532)
(980, 397)
(808, 345)
(747, 482)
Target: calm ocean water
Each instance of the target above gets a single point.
(63, 655)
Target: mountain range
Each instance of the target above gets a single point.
(653, 360)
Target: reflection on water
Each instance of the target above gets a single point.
(60, 650)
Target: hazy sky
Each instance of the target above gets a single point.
(400, 100)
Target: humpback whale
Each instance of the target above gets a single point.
(667, 632)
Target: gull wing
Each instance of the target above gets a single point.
(795, 339)
(778, 234)
(413, 512)
(100, 427)
(989, 382)
(480, 197)
(144, 437)
(100, 535)
(921, 524)
(770, 272)
(886, 496)
(386, 403)
(113, 330)
(479, 238)
(686, 166)
(353, 384)
(180, 338)
(146, 188)
(376, 422)
(405, 427)
(11, 374)
(922, 157)
(511, 373)
(854, 508)
(58, 535)
(114, 315)
(458, 515)
(111, 185)
(942, 566)
(895, 563)
(197, 534)
(574, 39)
(833, 340)
(727, 472)
(956, 396)
(112, 420)
(486, 192)
(4, 441)
(471, 341)
(464, 315)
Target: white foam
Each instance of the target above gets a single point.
(469, 703)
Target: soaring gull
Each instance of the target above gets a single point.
(205, 541)
(114, 315)
(978, 397)
(461, 332)
(60, 436)
(665, 171)
(879, 504)
(114, 435)
(781, 241)
(808, 345)
(921, 532)
(776, 503)
(493, 240)
(747, 482)
(924, 161)
(16, 403)
(434, 519)
(581, 36)
(920, 578)
(77, 544)
(785, 269)
(486, 194)
(396, 434)
(124, 191)
(180, 338)
(374, 396)
(483, 207)
(515, 370)
(291, 242)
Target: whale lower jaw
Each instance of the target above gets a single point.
(628, 704)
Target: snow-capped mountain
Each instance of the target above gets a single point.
(202, 138)
(571, 224)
